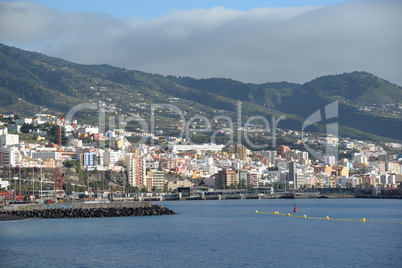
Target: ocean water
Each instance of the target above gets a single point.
(224, 233)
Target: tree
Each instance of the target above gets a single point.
(71, 163)
(26, 127)
(52, 135)
(242, 184)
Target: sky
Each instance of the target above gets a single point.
(251, 41)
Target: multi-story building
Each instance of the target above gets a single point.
(111, 158)
(239, 150)
(244, 177)
(367, 181)
(253, 179)
(292, 171)
(302, 155)
(10, 156)
(152, 163)
(296, 175)
(46, 155)
(173, 185)
(157, 180)
(322, 169)
(136, 169)
(225, 178)
(282, 150)
(360, 158)
(22, 121)
(8, 139)
(168, 163)
(340, 171)
(89, 159)
(270, 155)
(329, 160)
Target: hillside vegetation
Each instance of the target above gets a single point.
(32, 83)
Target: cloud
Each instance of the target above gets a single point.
(265, 44)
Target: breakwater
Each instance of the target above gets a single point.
(92, 212)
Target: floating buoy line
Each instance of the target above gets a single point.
(326, 218)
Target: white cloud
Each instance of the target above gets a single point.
(266, 44)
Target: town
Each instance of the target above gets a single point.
(35, 168)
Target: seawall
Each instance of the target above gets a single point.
(81, 205)
(84, 210)
(93, 212)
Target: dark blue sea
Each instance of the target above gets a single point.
(224, 233)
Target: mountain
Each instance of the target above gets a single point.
(358, 88)
(366, 102)
(32, 83)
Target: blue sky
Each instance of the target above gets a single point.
(156, 8)
(250, 41)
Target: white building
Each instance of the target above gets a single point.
(237, 164)
(75, 142)
(4, 184)
(46, 155)
(205, 161)
(329, 160)
(8, 139)
(197, 147)
(92, 130)
(225, 162)
(302, 155)
(208, 170)
(359, 158)
(40, 121)
(9, 156)
(270, 155)
(387, 179)
(151, 163)
(111, 158)
(22, 121)
(342, 181)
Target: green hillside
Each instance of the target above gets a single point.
(357, 88)
(31, 83)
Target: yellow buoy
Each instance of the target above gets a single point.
(363, 219)
(256, 211)
(327, 218)
(288, 214)
(304, 216)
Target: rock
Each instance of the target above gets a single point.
(94, 212)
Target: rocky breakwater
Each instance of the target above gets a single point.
(93, 212)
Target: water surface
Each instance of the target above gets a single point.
(224, 233)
